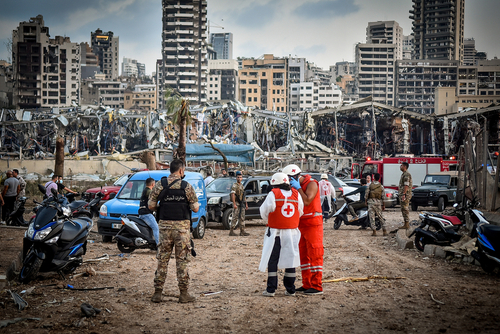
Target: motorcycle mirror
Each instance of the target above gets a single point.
(42, 189)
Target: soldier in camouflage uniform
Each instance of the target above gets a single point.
(405, 186)
(374, 198)
(238, 199)
(176, 198)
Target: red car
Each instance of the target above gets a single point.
(108, 191)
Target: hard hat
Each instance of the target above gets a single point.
(279, 178)
(324, 176)
(291, 170)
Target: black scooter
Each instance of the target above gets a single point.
(488, 247)
(16, 217)
(363, 218)
(54, 240)
(134, 234)
(83, 208)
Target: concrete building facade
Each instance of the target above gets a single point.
(103, 93)
(184, 49)
(89, 62)
(142, 97)
(438, 29)
(222, 43)
(46, 72)
(313, 95)
(264, 82)
(222, 80)
(6, 87)
(107, 48)
(408, 46)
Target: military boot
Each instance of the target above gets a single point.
(185, 297)
(384, 232)
(231, 233)
(374, 233)
(157, 295)
(243, 233)
(406, 225)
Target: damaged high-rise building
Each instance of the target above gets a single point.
(184, 49)
(107, 48)
(46, 72)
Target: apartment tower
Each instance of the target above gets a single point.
(106, 47)
(438, 29)
(184, 50)
(222, 44)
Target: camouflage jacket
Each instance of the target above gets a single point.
(239, 193)
(191, 197)
(405, 181)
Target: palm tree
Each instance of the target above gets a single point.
(178, 108)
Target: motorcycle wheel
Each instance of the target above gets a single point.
(378, 226)
(337, 224)
(420, 242)
(30, 268)
(125, 249)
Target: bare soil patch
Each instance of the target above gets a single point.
(229, 264)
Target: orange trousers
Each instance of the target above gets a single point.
(311, 255)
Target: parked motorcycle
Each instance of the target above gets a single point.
(54, 240)
(443, 229)
(16, 217)
(134, 234)
(488, 247)
(363, 218)
(83, 208)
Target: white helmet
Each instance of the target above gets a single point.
(279, 178)
(291, 170)
(324, 176)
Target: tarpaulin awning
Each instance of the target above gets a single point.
(233, 153)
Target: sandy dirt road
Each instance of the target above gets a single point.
(470, 298)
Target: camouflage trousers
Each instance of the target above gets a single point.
(405, 209)
(375, 209)
(181, 240)
(239, 211)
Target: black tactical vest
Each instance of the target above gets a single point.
(173, 202)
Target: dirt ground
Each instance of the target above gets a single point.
(467, 299)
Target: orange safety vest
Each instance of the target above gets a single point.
(285, 216)
(313, 213)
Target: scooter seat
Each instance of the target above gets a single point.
(453, 219)
(76, 204)
(71, 230)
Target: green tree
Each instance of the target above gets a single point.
(178, 108)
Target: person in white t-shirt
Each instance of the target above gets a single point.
(326, 194)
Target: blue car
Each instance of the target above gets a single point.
(127, 201)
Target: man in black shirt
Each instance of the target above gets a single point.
(358, 204)
(145, 213)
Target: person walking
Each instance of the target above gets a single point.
(145, 213)
(238, 198)
(22, 183)
(311, 231)
(375, 200)
(326, 195)
(177, 199)
(52, 184)
(405, 187)
(281, 209)
(9, 194)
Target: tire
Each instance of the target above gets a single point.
(420, 242)
(30, 268)
(337, 224)
(125, 249)
(378, 226)
(226, 219)
(199, 231)
(414, 206)
(441, 204)
(107, 238)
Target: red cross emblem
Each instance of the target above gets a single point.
(293, 170)
(288, 210)
(284, 179)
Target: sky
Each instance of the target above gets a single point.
(322, 31)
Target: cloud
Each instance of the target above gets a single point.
(253, 16)
(326, 9)
(311, 50)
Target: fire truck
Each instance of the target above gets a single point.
(390, 173)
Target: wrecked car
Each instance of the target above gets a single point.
(220, 207)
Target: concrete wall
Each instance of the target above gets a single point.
(71, 167)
